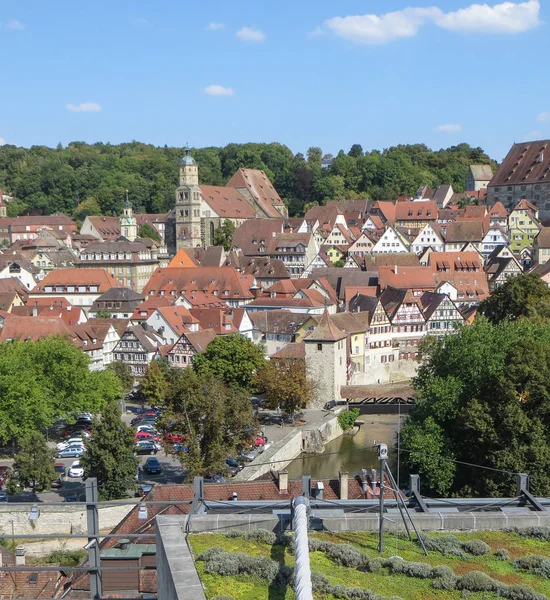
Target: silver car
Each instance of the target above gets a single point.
(74, 452)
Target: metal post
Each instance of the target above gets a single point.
(93, 538)
(303, 587)
(381, 491)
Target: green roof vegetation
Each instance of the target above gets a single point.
(478, 566)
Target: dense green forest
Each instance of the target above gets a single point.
(83, 179)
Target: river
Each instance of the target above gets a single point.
(351, 453)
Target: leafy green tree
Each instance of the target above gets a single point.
(356, 150)
(148, 231)
(483, 398)
(153, 385)
(88, 207)
(233, 359)
(110, 455)
(223, 236)
(216, 420)
(46, 380)
(123, 373)
(287, 385)
(34, 464)
(103, 313)
(523, 296)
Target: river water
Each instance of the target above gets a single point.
(351, 453)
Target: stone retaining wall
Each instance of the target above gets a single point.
(57, 519)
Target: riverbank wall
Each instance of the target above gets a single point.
(310, 438)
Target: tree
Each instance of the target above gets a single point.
(216, 420)
(483, 397)
(223, 236)
(286, 385)
(148, 231)
(523, 296)
(153, 385)
(46, 380)
(103, 313)
(356, 150)
(34, 464)
(123, 373)
(233, 359)
(110, 455)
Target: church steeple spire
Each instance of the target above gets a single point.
(128, 223)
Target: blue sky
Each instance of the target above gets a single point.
(304, 73)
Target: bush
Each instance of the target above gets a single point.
(346, 420)
(476, 581)
(444, 578)
(539, 565)
(476, 547)
(346, 555)
(223, 598)
(411, 569)
(236, 563)
(502, 554)
(539, 533)
(522, 592)
(261, 535)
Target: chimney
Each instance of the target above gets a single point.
(319, 489)
(283, 482)
(34, 311)
(20, 556)
(343, 485)
(373, 477)
(395, 269)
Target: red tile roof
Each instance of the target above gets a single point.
(258, 185)
(419, 278)
(219, 320)
(212, 281)
(423, 210)
(326, 331)
(59, 277)
(528, 162)
(227, 202)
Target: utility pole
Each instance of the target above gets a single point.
(92, 546)
(382, 456)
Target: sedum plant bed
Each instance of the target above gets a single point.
(477, 566)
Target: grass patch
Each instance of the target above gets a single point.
(382, 581)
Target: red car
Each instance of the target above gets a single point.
(174, 438)
(260, 440)
(145, 435)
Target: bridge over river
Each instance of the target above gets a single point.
(383, 399)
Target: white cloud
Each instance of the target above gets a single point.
(218, 90)
(317, 32)
(543, 116)
(374, 29)
(251, 34)
(449, 128)
(2, 141)
(141, 22)
(84, 107)
(507, 17)
(15, 25)
(215, 26)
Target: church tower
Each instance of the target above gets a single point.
(128, 223)
(188, 204)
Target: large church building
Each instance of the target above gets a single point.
(201, 209)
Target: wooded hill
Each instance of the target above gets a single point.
(83, 179)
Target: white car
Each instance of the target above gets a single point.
(147, 428)
(76, 470)
(69, 444)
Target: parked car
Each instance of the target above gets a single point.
(148, 428)
(247, 456)
(144, 489)
(72, 498)
(260, 440)
(179, 447)
(57, 484)
(60, 469)
(173, 438)
(146, 448)
(231, 462)
(152, 466)
(214, 478)
(145, 435)
(74, 441)
(75, 470)
(73, 452)
(3, 496)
